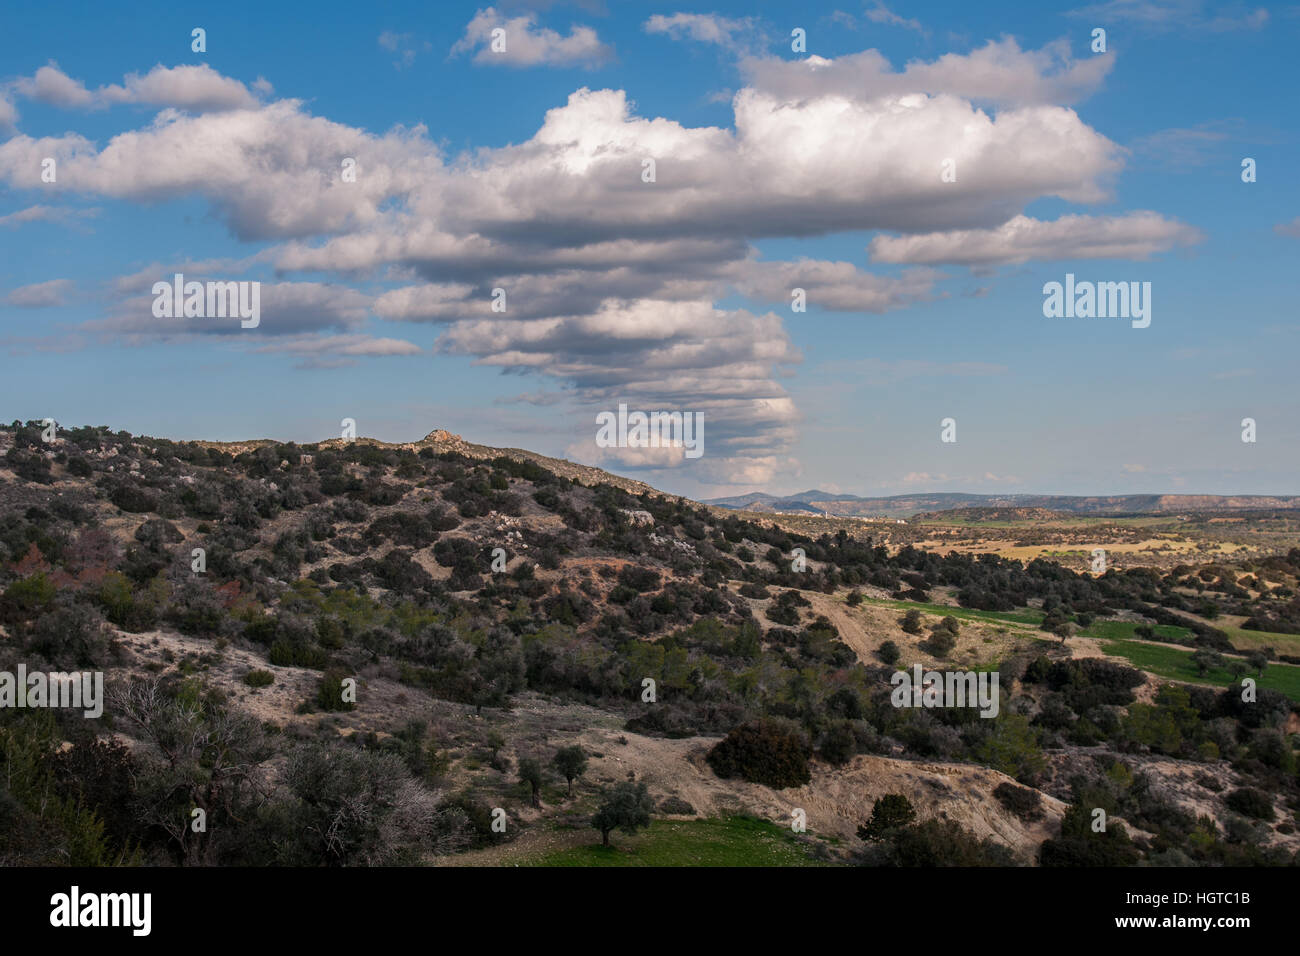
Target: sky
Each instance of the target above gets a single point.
(649, 186)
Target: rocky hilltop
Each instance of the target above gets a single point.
(442, 441)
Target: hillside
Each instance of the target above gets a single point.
(390, 643)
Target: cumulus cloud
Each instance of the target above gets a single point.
(611, 281)
(52, 86)
(838, 286)
(188, 87)
(1136, 235)
(527, 44)
(998, 72)
(41, 295)
(261, 169)
(287, 308)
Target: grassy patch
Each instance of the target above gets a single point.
(1177, 665)
(1245, 640)
(1027, 615)
(733, 841)
(1123, 631)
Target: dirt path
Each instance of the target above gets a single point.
(535, 842)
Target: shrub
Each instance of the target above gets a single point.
(329, 693)
(839, 743)
(762, 751)
(676, 806)
(1250, 802)
(259, 678)
(1025, 803)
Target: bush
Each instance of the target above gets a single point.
(676, 806)
(763, 751)
(1250, 802)
(329, 694)
(942, 642)
(889, 652)
(133, 498)
(259, 678)
(839, 743)
(1025, 803)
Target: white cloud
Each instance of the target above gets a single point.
(1136, 235)
(287, 309)
(998, 72)
(706, 28)
(41, 295)
(611, 281)
(527, 44)
(196, 88)
(42, 213)
(882, 14)
(52, 86)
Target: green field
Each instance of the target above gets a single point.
(1027, 615)
(1123, 631)
(733, 841)
(1245, 640)
(1177, 665)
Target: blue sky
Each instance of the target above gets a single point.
(775, 169)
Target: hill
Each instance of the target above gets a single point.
(356, 653)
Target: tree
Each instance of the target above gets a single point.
(890, 812)
(889, 652)
(530, 772)
(1204, 659)
(627, 807)
(855, 598)
(912, 621)
(1258, 660)
(571, 762)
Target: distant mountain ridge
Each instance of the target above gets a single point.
(900, 506)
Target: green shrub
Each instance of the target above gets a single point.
(763, 751)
